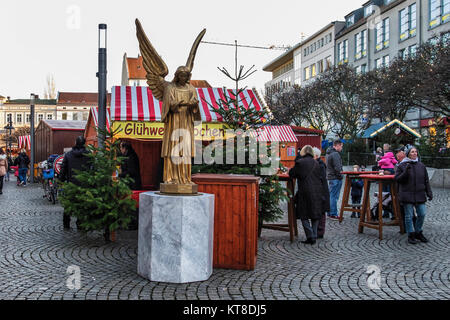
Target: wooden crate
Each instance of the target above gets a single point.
(235, 218)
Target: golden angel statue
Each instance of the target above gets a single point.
(179, 111)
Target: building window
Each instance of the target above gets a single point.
(386, 2)
(378, 63)
(343, 52)
(64, 116)
(49, 116)
(368, 11)
(360, 44)
(328, 63)
(75, 116)
(85, 116)
(9, 117)
(28, 118)
(307, 73)
(361, 69)
(40, 117)
(350, 21)
(382, 30)
(19, 118)
(386, 61)
(313, 70)
(408, 22)
(439, 12)
(320, 67)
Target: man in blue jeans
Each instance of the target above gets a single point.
(334, 176)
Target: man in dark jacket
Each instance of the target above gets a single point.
(334, 176)
(22, 161)
(414, 188)
(130, 166)
(323, 168)
(75, 159)
(311, 200)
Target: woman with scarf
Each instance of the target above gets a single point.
(414, 188)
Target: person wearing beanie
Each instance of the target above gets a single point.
(414, 189)
(311, 196)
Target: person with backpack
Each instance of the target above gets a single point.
(334, 176)
(22, 161)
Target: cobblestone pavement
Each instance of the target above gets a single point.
(36, 252)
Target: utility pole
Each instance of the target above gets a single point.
(32, 136)
(101, 75)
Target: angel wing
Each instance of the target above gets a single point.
(190, 61)
(153, 64)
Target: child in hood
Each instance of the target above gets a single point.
(388, 162)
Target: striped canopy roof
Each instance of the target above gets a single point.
(24, 142)
(94, 114)
(276, 133)
(139, 104)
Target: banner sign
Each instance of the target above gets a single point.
(155, 130)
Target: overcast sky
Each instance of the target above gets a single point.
(43, 37)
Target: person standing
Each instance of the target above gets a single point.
(75, 159)
(323, 168)
(334, 176)
(414, 189)
(311, 198)
(3, 168)
(130, 166)
(22, 161)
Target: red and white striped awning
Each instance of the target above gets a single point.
(94, 113)
(139, 104)
(276, 133)
(24, 142)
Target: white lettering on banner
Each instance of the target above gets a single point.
(74, 280)
(73, 22)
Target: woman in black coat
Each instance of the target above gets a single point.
(312, 198)
(414, 188)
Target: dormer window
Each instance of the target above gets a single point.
(350, 20)
(368, 10)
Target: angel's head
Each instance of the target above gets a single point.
(182, 75)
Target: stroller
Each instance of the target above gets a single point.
(386, 204)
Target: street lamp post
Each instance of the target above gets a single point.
(9, 127)
(32, 136)
(101, 75)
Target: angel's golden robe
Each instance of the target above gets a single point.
(178, 147)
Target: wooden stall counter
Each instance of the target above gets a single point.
(235, 218)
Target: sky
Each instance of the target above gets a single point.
(60, 38)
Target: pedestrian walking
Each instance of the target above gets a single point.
(356, 192)
(130, 166)
(334, 176)
(3, 168)
(22, 161)
(414, 189)
(75, 159)
(311, 199)
(323, 219)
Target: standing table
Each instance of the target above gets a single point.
(291, 227)
(349, 176)
(365, 220)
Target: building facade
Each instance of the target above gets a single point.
(382, 30)
(133, 72)
(18, 110)
(76, 105)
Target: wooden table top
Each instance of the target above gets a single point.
(357, 173)
(377, 177)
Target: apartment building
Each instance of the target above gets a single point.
(382, 30)
(18, 111)
(76, 105)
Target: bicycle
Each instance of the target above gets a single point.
(49, 185)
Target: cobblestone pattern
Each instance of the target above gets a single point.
(36, 252)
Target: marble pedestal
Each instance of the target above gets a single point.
(175, 240)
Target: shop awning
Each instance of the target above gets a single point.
(139, 104)
(94, 113)
(276, 134)
(24, 142)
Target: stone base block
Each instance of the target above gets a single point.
(180, 189)
(175, 240)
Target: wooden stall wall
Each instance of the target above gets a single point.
(43, 142)
(64, 139)
(149, 153)
(235, 218)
